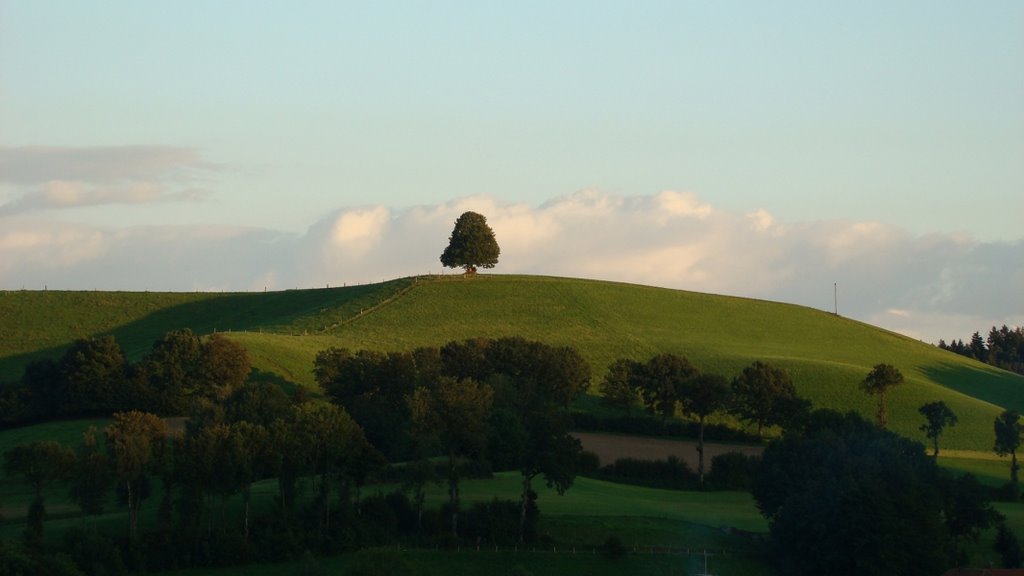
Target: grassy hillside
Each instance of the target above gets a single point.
(826, 355)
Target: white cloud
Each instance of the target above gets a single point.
(53, 178)
(930, 287)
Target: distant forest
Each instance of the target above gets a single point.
(1004, 348)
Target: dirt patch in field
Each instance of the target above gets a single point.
(611, 447)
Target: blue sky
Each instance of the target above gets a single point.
(233, 145)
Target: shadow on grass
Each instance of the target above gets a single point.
(982, 382)
(293, 312)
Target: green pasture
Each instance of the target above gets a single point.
(545, 563)
(37, 324)
(582, 519)
(827, 355)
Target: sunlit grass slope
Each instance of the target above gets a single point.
(827, 355)
(35, 324)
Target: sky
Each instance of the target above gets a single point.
(866, 155)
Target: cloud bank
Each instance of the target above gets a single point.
(54, 178)
(928, 287)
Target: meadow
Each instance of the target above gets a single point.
(662, 531)
(826, 355)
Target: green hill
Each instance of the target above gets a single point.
(827, 355)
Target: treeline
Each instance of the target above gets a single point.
(1004, 348)
(477, 404)
(667, 384)
(180, 373)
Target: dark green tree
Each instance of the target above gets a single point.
(471, 244)
(466, 359)
(966, 511)
(136, 443)
(95, 377)
(1007, 428)
(258, 403)
(878, 382)
(763, 395)
(1008, 546)
(703, 396)
(372, 387)
(333, 442)
(619, 389)
(92, 477)
(845, 497)
(938, 416)
(170, 372)
(223, 366)
(454, 412)
(662, 382)
(535, 384)
(40, 464)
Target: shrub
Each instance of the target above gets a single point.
(732, 471)
(613, 548)
(672, 473)
(377, 562)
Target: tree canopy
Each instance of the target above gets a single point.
(878, 382)
(843, 496)
(938, 416)
(763, 395)
(471, 244)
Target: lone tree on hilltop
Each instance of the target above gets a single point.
(878, 382)
(471, 244)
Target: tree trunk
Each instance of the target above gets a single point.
(700, 453)
(132, 511)
(453, 493)
(524, 499)
(883, 416)
(1013, 469)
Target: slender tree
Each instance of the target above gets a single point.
(333, 442)
(704, 395)
(455, 413)
(1008, 429)
(619, 389)
(40, 464)
(471, 244)
(534, 385)
(92, 477)
(881, 379)
(135, 442)
(938, 416)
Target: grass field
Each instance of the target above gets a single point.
(582, 519)
(826, 355)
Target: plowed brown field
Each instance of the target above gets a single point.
(610, 447)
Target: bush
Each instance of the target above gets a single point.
(588, 463)
(644, 425)
(94, 553)
(613, 548)
(673, 473)
(732, 471)
(377, 562)
(494, 522)
(1008, 547)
